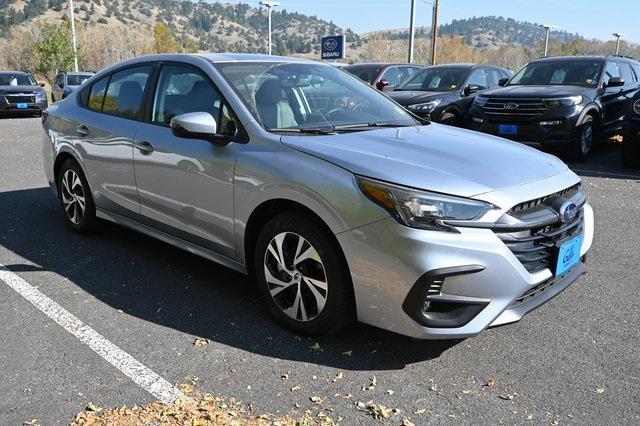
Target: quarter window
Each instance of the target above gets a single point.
(626, 73)
(125, 92)
(96, 96)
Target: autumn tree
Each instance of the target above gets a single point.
(55, 49)
(164, 41)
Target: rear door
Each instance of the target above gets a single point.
(613, 98)
(106, 130)
(186, 185)
(630, 85)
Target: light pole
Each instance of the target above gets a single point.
(269, 5)
(617, 36)
(412, 23)
(73, 36)
(434, 30)
(548, 28)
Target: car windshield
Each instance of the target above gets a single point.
(7, 79)
(77, 80)
(366, 73)
(558, 73)
(436, 79)
(307, 96)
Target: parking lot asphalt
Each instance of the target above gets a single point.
(576, 359)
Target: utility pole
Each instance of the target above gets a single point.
(269, 5)
(548, 28)
(434, 30)
(412, 24)
(617, 36)
(73, 36)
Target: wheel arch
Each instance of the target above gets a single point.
(591, 111)
(63, 156)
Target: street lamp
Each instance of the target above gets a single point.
(548, 28)
(73, 36)
(617, 36)
(270, 5)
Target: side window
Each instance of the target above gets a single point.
(479, 78)
(636, 70)
(392, 75)
(125, 91)
(406, 72)
(611, 70)
(626, 73)
(96, 95)
(494, 77)
(182, 90)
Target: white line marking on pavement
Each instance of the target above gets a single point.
(148, 380)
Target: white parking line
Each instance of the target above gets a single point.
(128, 365)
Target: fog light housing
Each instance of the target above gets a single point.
(551, 123)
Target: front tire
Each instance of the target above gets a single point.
(75, 198)
(302, 277)
(584, 143)
(449, 118)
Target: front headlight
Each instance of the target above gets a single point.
(425, 107)
(480, 100)
(41, 96)
(563, 102)
(421, 209)
(636, 107)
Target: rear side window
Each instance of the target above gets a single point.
(636, 69)
(125, 92)
(494, 77)
(626, 73)
(96, 95)
(479, 78)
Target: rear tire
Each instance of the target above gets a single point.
(449, 118)
(75, 198)
(584, 143)
(302, 277)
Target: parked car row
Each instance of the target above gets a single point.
(560, 104)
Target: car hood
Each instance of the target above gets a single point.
(538, 91)
(434, 157)
(20, 89)
(412, 97)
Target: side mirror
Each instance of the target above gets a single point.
(382, 84)
(471, 89)
(615, 82)
(41, 84)
(503, 82)
(197, 125)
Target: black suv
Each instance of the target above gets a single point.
(631, 142)
(560, 104)
(445, 92)
(20, 93)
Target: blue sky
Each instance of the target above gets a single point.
(590, 18)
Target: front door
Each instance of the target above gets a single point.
(186, 185)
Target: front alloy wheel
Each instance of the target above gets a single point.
(302, 275)
(295, 276)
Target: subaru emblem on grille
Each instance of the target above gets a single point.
(511, 106)
(568, 211)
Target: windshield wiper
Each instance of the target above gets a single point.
(364, 126)
(308, 130)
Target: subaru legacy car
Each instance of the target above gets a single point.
(560, 104)
(444, 93)
(66, 82)
(339, 202)
(21, 93)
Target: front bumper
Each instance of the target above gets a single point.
(387, 261)
(31, 107)
(555, 137)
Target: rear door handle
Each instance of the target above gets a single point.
(82, 130)
(144, 147)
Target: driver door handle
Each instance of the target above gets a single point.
(82, 130)
(144, 147)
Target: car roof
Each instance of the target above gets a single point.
(247, 57)
(79, 73)
(572, 58)
(14, 72)
(383, 64)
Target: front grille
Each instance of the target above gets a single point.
(15, 99)
(524, 107)
(527, 205)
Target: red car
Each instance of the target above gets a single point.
(381, 75)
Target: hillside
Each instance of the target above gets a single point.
(213, 26)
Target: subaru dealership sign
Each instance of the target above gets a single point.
(333, 47)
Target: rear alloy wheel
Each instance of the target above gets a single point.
(75, 197)
(302, 277)
(584, 143)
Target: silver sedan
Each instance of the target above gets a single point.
(340, 203)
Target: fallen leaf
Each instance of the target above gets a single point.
(420, 411)
(284, 376)
(316, 399)
(347, 353)
(407, 422)
(600, 390)
(295, 388)
(93, 407)
(34, 422)
(489, 382)
(389, 392)
(315, 346)
(200, 342)
(506, 397)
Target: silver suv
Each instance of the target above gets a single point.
(340, 203)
